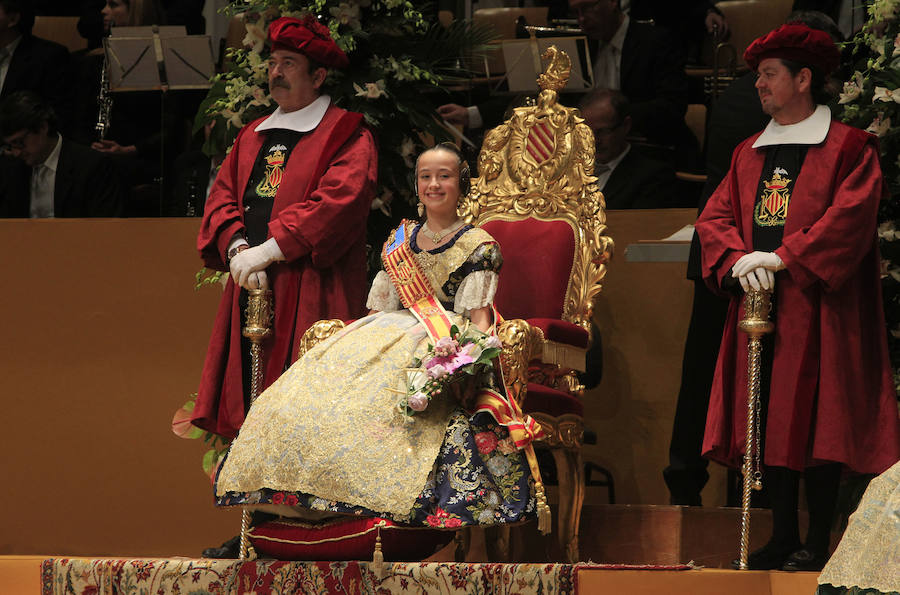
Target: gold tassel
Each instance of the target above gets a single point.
(377, 555)
(545, 519)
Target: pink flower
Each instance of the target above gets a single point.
(417, 402)
(459, 360)
(446, 346)
(486, 442)
(493, 342)
(433, 361)
(437, 371)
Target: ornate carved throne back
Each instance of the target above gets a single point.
(538, 197)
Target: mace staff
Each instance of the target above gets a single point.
(756, 323)
(258, 326)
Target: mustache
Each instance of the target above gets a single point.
(280, 82)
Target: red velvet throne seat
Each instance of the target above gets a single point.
(537, 196)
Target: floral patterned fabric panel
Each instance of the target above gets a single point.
(77, 576)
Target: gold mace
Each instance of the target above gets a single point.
(756, 323)
(258, 326)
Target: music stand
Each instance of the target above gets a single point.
(158, 59)
(524, 63)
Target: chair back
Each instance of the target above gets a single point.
(62, 30)
(749, 19)
(537, 195)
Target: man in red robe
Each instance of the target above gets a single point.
(288, 212)
(797, 213)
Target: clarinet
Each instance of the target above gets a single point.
(104, 101)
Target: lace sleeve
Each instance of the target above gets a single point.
(383, 297)
(476, 291)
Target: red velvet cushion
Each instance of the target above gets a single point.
(543, 399)
(537, 265)
(350, 539)
(561, 331)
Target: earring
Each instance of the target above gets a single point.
(420, 208)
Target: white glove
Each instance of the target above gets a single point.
(253, 260)
(756, 278)
(258, 280)
(748, 262)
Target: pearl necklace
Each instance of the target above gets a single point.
(437, 236)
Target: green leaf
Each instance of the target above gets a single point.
(488, 354)
(209, 460)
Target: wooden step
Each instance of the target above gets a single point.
(650, 534)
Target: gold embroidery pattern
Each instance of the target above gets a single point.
(268, 186)
(438, 267)
(771, 210)
(866, 557)
(330, 426)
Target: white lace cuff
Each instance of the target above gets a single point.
(476, 291)
(383, 297)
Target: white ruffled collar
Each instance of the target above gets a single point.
(810, 131)
(301, 120)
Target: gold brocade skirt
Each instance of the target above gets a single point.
(868, 556)
(330, 426)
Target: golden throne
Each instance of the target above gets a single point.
(537, 196)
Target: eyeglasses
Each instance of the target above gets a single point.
(14, 142)
(608, 129)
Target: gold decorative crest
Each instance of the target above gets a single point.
(268, 186)
(772, 208)
(540, 164)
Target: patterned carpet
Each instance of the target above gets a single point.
(190, 576)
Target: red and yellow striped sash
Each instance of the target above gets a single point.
(413, 286)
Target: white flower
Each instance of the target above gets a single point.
(407, 150)
(347, 13)
(885, 94)
(884, 10)
(255, 39)
(852, 88)
(371, 90)
(880, 125)
(383, 202)
(233, 118)
(417, 379)
(494, 342)
(887, 231)
(259, 68)
(473, 350)
(260, 97)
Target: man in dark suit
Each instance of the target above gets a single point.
(28, 62)
(628, 179)
(44, 175)
(637, 58)
(645, 64)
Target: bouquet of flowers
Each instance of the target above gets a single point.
(466, 355)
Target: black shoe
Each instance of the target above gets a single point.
(229, 549)
(805, 560)
(768, 557)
